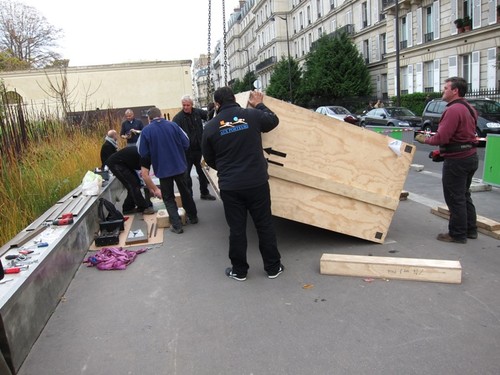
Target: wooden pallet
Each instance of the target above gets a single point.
(330, 174)
(485, 226)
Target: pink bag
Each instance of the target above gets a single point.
(113, 258)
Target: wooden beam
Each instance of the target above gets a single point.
(442, 271)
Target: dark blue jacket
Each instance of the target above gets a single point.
(164, 143)
(232, 144)
(127, 126)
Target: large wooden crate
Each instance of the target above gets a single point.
(330, 174)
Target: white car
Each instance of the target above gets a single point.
(338, 112)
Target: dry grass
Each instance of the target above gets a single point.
(47, 160)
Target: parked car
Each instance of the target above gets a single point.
(338, 112)
(488, 120)
(391, 116)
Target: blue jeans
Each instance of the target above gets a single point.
(457, 178)
(257, 202)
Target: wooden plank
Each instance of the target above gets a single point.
(433, 270)
(491, 233)
(482, 222)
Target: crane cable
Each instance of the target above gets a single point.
(209, 62)
(224, 37)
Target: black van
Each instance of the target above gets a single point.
(488, 120)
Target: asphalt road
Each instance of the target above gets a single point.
(174, 312)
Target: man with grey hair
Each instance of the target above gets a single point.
(190, 119)
(162, 144)
(131, 128)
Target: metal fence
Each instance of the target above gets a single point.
(485, 93)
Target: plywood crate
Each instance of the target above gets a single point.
(330, 174)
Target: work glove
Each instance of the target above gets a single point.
(420, 138)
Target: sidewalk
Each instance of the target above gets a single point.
(173, 311)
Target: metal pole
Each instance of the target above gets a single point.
(289, 60)
(398, 76)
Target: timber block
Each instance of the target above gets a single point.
(441, 271)
(163, 220)
(484, 225)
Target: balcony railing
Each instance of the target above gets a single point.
(403, 44)
(348, 29)
(429, 37)
(264, 64)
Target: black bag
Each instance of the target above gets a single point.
(113, 219)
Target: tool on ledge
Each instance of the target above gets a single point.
(15, 269)
(63, 221)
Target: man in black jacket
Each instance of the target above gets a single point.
(190, 120)
(232, 145)
(124, 164)
(109, 147)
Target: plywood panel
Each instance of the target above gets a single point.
(443, 271)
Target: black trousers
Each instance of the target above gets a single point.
(194, 158)
(237, 205)
(168, 195)
(457, 178)
(129, 178)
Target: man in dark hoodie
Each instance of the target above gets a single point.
(232, 145)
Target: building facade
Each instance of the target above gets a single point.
(430, 47)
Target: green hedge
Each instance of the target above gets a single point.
(416, 102)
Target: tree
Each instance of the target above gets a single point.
(279, 84)
(334, 69)
(9, 63)
(246, 84)
(26, 34)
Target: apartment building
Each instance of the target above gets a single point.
(431, 47)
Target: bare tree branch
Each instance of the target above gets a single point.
(27, 35)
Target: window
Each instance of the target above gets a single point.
(404, 34)
(429, 34)
(366, 50)
(364, 14)
(301, 20)
(309, 20)
(320, 32)
(404, 80)
(429, 76)
(332, 4)
(466, 67)
(383, 45)
(318, 7)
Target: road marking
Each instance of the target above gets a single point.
(424, 200)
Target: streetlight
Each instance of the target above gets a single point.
(289, 57)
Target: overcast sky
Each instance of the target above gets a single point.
(111, 31)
